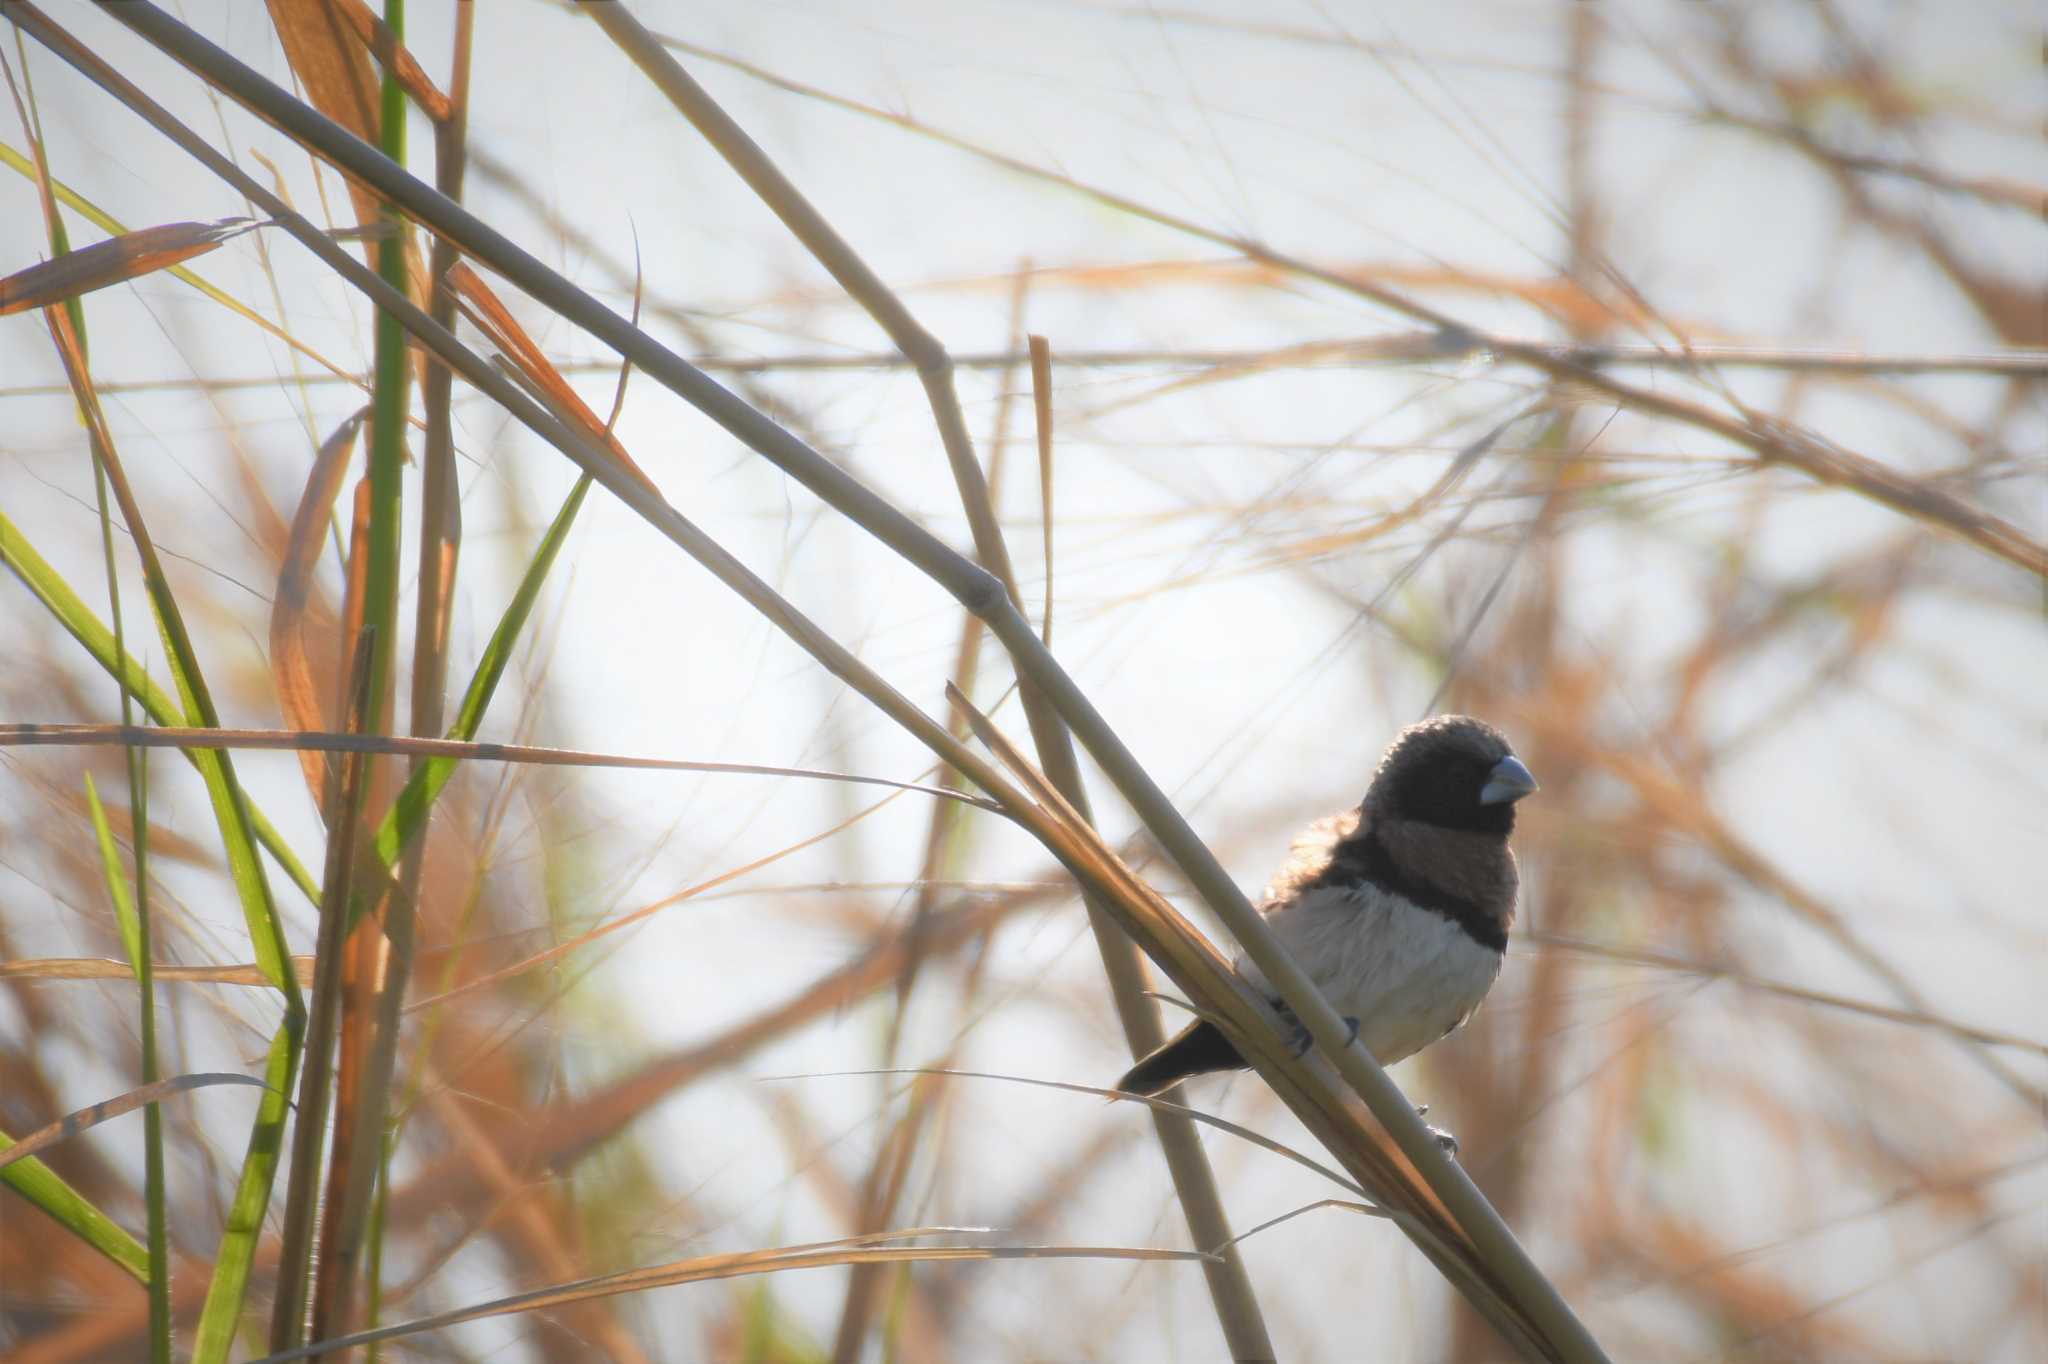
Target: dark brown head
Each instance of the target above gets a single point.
(1453, 772)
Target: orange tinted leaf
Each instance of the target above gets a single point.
(292, 644)
(113, 261)
(490, 316)
(331, 64)
(374, 35)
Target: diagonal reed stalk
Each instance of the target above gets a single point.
(1230, 1288)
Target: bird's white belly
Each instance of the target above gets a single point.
(1407, 975)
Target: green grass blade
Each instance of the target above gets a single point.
(130, 912)
(223, 1311)
(237, 833)
(117, 879)
(408, 814)
(80, 622)
(236, 822)
(40, 1185)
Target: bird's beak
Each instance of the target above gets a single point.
(1507, 783)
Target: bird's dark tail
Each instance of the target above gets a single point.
(1200, 1048)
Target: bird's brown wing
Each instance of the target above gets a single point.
(1310, 853)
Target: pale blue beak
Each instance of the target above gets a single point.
(1508, 782)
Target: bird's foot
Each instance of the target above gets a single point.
(1300, 1041)
(1446, 1143)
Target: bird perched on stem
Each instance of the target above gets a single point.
(1398, 909)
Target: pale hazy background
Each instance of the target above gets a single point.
(1889, 761)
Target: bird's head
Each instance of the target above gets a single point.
(1451, 771)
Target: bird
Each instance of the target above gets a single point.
(1398, 909)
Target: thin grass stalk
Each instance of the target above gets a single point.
(393, 834)
(1041, 395)
(1383, 350)
(440, 531)
(135, 913)
(440, 542)
(252, 1193)
(316, 1076)
(144, 955)
(876, 1200)
(373, 1256)
(154, 1191)
(440, 495)
(709, 1267)
(942, 833)
(1230, 1288)
(1502, 1280)
(965, 670)
(865, 1283)
(128, 910)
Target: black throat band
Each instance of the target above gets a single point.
(1360, 859)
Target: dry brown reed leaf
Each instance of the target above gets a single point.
(334, 69)
(331, 59)
(294, 642)
(393, 56)
(114, 261)
(490, 316)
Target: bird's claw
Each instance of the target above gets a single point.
(1445, 1142)
(1300, 1041)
